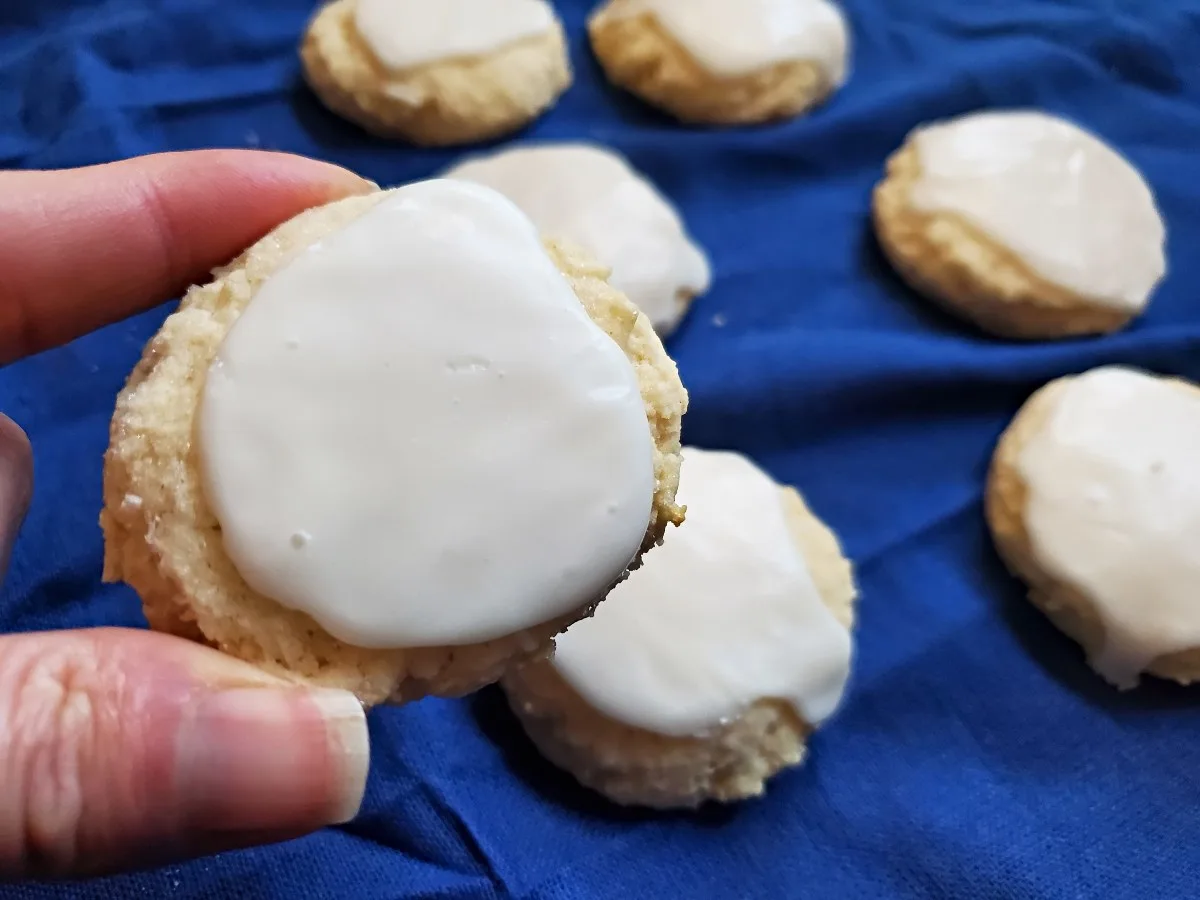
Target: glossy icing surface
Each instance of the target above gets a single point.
(723, 614)
(407, 33)
(1113, 508)
(415, 434)
(1075, 211)
(737, 37)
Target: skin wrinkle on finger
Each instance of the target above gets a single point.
(80, 748)
(173, 257)
(82, 248)
(123, 749)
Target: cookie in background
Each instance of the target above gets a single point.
(437, 73)
(724, 62)
(590, 196)
(705, 673)
(1094, 502)
(1022, 223)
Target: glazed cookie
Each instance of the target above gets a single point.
(592, 197)
(705, 672)
(723, 61)
(395, 446)
(437, 73)
(1022, 223)
(1094, 502)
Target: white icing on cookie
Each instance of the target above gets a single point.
(1075, 211)
(1113, 509)
(723, 614)
(407, 33)
(739, 37)
(415, 434)
(591, 197)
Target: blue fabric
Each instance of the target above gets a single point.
(976, 755)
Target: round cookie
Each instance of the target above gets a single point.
(723, 62)
(392, 484)
(1022, 223)
(1093, 502)
(703, 674)
(592, 197)
(437, 74)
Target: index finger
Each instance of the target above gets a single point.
(81, 248)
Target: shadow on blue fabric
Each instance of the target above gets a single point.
(976, 756)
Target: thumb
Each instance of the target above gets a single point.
(122, 749)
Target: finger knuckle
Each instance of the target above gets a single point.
(49, 712)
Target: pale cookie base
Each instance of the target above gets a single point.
(638, 55)
(959, 267)
(638, 767)
(455, 101)
(1065, 605)
(162, 538)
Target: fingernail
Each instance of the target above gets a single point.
(346, 725)
(255, 759)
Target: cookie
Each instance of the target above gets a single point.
(723, 62)
(436, 74)
(703, 674)
(591, 196)
(395, 446)
(1022, 223)
(1093, 501)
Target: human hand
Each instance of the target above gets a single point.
(121, 748)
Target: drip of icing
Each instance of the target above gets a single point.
(415, 434)
(1075, 211)
(407, 33)
(739, 37)
(1113, 508)
(723, 614)
(591, 197)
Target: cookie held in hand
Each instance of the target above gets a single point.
(394, 447)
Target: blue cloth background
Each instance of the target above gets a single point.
(976, 755)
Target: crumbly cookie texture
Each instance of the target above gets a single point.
(454, 101)
(1071, 611)
(637, 767)
(162, 538)
(638, 55)
(960, 268)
